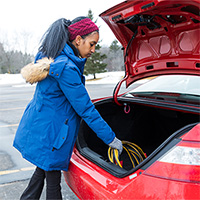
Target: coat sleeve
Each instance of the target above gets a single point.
(76, 93)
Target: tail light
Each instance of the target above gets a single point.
(181, 163)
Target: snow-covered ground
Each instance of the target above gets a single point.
(102, 78)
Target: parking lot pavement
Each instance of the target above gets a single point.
(12, 191)
(13, 167)
(15, 172)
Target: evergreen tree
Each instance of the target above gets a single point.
(95, 63)
(114, 47)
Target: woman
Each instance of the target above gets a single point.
(49, 126)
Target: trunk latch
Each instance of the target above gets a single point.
(127, 108)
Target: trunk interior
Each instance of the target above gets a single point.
(148, 127)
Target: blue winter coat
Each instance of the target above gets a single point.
(50, 123)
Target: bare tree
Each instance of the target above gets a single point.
(14, 52)
(23, 44)
(2, 59)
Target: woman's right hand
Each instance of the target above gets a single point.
(116, 144)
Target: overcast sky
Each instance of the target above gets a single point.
(35, 16)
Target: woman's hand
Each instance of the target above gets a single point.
(116, 144)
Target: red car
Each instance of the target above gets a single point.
(161, 40)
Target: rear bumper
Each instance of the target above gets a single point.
(89, 181)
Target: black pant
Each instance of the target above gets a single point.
(36, 184)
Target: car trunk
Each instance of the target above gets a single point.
(146, 126)
(158, 37)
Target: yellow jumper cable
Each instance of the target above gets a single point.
(135, 153)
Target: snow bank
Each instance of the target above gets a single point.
(102, 78)
(105, 78)
(11, 79)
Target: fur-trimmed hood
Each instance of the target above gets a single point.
(38, 70)
(35, 72)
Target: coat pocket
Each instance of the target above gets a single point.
(61, 137)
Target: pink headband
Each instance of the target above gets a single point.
(82, 27)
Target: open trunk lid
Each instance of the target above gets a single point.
(158, 36)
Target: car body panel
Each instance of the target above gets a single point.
(88, 181)
(193, 135)
(172, 48)
(139, 187)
